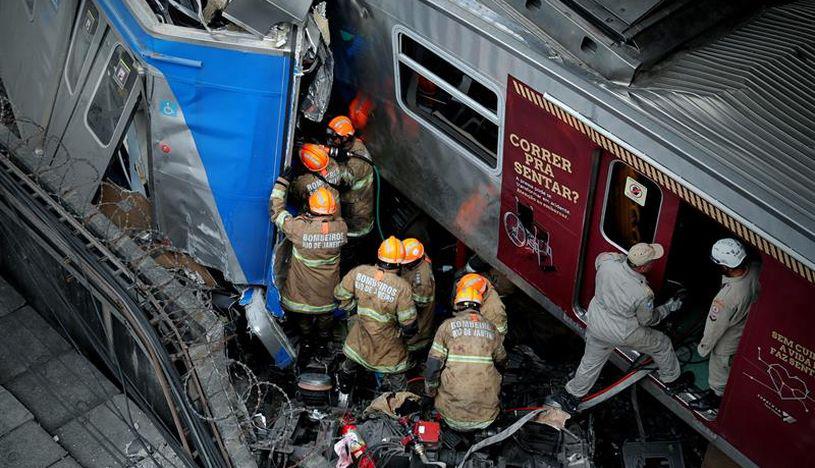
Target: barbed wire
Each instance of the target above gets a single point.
(180, 304)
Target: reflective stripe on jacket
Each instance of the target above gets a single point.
(384, 306)
(358, 202)
(308, 183)
(423, 287)
(467, 383)
(314, 267)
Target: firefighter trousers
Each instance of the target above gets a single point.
(718, 371)
(644, 339)
(314, 327)
(385, 382)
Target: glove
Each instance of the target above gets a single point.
(673, 304)
(287, 174)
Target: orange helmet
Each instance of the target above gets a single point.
(414, 250)
(468, 294)
(341, 125)
(321, 201)
(472, 280)
(314, 157)
(391, 250)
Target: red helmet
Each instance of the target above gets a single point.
(360, 110)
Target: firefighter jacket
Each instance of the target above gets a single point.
(461, 371)
(386, 318)
(314, 267)
(423, 286)
(493, 309)
(728, 312)
(622, 302)
(306, 184)
(358, 201)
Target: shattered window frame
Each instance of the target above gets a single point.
(488, 112)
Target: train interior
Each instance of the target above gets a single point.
(689, 266)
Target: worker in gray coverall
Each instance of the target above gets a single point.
(620, 314)
(727, 317)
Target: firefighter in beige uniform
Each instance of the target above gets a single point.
(727, 317)
(418, 271)
(461, 372)
(316, 238)
(621, 313)
(358, 174)
(492, 307)
(323, 172)
(386, 318)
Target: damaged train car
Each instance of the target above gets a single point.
(140, 141)
(542, 133)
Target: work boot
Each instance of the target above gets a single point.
(565, 401)
(683, 381)
(708, 401)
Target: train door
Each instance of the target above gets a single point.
(98, 93)
(629, 207)
(84, 44)
(34, 37)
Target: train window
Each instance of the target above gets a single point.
(111, 94)
(631, 207)
(87, 23)
(449, 99)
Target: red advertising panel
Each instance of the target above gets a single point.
(547, 169)
(768, 410)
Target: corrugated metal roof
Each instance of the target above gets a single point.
(747, 101)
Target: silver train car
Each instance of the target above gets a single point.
(541, 133)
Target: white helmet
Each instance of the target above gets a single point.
(728, 252)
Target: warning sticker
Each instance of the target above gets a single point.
(635, 191)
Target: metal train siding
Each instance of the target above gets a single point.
(538, 169)
(204, 118)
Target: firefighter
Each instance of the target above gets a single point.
(358, 173)
(313, 270)
(727, 317)
(323, 172)
(493, 307)
(385, 322)
(417, 270)
(621, 313)
(461, 372)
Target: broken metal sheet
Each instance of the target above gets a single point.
(186, 210)
(263, 325)
(258, 16)
(315, 102)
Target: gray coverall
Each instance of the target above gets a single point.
(725, 324)
(620, 314)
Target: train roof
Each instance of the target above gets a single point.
(734, 107)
